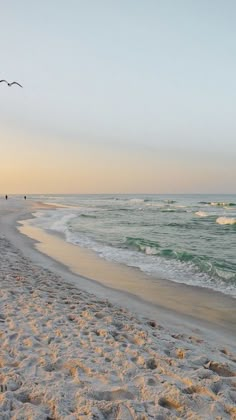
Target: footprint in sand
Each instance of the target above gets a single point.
(197, 389)
(216, 387)
(3, 388)
(220, 368)
(151, 364)
(169, 404)
(2, 318)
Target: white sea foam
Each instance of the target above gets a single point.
(201, 213)
(157, 266)
(219, 203)
(56, 220)
(158, 205)
(150, 251)
(226, 220)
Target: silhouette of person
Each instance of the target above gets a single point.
(6, 197)
(25, 197)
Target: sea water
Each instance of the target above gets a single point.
(188, 239)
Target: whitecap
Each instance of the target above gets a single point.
(226, 220)
(201, 213)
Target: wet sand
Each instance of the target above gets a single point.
(192, 302)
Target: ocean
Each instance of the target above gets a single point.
(187, 239)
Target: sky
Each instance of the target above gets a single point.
(119, 96)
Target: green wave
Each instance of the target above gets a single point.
(143, 245)
(216, 269)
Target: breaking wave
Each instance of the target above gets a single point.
(201, 213)
(226, 220)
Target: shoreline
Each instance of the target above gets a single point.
(106, 284)
(200, 304)
(192, 305)
(75, 349)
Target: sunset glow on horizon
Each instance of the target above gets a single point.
(118, 97)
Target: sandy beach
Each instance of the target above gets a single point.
(72, 348)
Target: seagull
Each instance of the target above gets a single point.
(10, 84)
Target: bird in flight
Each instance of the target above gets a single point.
(10, 84)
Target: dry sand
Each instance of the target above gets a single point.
(69, 354)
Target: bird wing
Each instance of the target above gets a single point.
(15, 83)
(3, 81)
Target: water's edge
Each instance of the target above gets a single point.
(191, 301)
(163, 238)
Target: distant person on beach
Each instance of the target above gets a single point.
(6, 197)
(25, 197)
